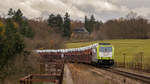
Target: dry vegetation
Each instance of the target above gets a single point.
(83, 74)
(21, 66)
(76, 24)
(45, 37)
(134, 28)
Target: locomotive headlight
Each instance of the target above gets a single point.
(110, 61)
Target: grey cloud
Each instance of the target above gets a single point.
(131, 4)
(102, 9)
(86, 8)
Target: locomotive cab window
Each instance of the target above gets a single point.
(105, 49)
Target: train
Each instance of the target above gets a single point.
(103, 55)
(98, 54)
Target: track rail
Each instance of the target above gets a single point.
(141, 78)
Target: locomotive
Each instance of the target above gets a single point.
(99, 54)
(103, 55)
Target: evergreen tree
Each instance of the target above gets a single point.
(55, 21)
(92, 19)
(11, 12)
(24, 27)
(86, 22)
(51, 20)
(18, 16)
(91, 23)
(26, 30)
(67, 25)
(59, 21)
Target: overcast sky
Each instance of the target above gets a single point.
(101, 9)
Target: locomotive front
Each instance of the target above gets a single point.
(103, 55)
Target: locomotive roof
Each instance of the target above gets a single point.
(104, 44)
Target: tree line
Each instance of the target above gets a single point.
(124, 28)
(130, 27)
(63, 25)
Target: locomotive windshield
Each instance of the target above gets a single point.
(105, 49)
(105, 52)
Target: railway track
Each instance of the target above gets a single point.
(142, 78)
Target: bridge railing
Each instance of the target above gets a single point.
(53, 73)
(30, 79)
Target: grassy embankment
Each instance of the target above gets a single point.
(132, 48)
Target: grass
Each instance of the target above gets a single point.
(132, 48)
